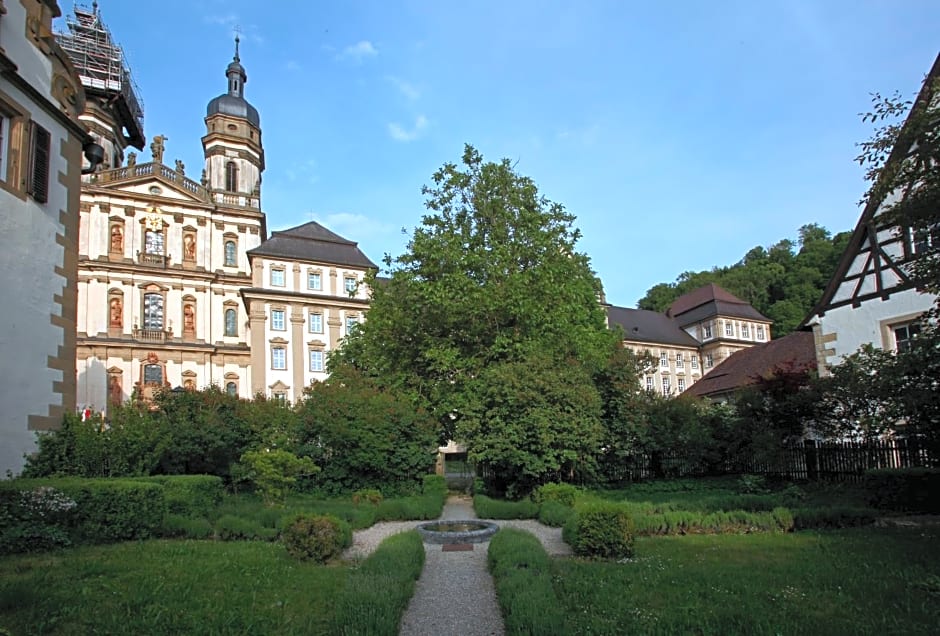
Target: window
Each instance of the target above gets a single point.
(280, 398)
(760, 332)
(231, 254)
(649, 383)
(38, 182)
(316, 361)
(680, 363)
(664, 359)
(745, 331)
(709, 361)
(313, 281)
(277, 277)
(351, 322)
(279, 358)
(708, 331)
(231, 388)
(680, 384)
(903, 335)
(231, 176)
(666, 387)
(277, 320)
(729, 328)
(316, 323)
(153, 242)
(153, 311)
(231, 322)
(694, 361)
(926, 238)
(350, 284)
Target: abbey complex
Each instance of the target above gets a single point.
(160, 275)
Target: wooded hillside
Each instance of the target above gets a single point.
(783, 282)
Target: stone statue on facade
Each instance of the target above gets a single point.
(131, 159)
(157, 147)
(180, 168)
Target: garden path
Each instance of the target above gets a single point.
(455, 593)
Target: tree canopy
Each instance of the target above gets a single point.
(491, 283)
(783, 281)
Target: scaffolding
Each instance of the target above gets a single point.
(102, 68)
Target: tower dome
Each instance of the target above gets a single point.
(233, 102)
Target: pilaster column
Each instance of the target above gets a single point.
(259, 348)
(297, 348)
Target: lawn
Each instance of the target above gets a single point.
(852, 581)
(167, 587)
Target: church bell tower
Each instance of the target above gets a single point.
(232, 144)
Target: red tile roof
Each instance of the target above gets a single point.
(743, 368)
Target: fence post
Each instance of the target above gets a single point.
(812, 463)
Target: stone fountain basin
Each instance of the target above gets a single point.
(457, 531)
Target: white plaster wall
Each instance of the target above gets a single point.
(857, 326)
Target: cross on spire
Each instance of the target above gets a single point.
(238, 32)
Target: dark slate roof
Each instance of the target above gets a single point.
(720, 308)
(795, 351)
(705, 294)
(708, 301)
(313, 242)
(642, 325)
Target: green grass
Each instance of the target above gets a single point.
(168, 587)
(855, 581)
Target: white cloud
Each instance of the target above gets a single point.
(408, 90)
(305, 172)
(225, 20)
(292, 65)
(400, 133)
(586, 135)
(359, 51)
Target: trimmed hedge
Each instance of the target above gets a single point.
(488, 508)
(192, 495)
(565, 494)
(105, 510)
(377, 593)
(555, 514)
(522, 576)
(904, 489)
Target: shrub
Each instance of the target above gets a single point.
(904, 489)
(33, 520)
(487, 508)
(555, 514)
(234, 528)
(434, 485)
(179, 526)
(377, 593)
(479, 486)
(522, 575)
(601, 531)
(274, 472)
(367, 495)
(405, 508)
(562, 493)
(315, 537)
(752, 484)
(192, 495)
(833, 517)
(105, 510)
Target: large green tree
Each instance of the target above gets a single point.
(491, 281)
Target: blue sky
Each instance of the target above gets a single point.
(681, 134)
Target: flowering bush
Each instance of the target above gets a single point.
(34, 520)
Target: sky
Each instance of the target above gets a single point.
(680, 134)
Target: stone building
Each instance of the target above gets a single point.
(41, 144)
(696, 333)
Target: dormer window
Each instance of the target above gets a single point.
(231, 176)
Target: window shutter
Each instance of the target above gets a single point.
(38, 186)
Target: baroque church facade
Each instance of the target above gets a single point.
(177, 284)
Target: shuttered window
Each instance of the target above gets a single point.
(38, 183)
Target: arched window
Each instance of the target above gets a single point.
(232, 389)
(231, 326)
(153, 311)
(230, 259)
(231, 176)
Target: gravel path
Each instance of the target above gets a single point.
(455, 593)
